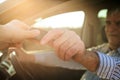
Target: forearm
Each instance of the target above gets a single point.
(106, 67)
(90, 60)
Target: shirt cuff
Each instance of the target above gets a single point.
(106, 66)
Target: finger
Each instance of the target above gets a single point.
(51, 35)
(78, 48)
(51, 43)
(24, 35)
(18, 23)
(58, 42)
(31, 33)
(68, 38)
(65, 46)
(73, 38)
(33, 40)
(71, 51)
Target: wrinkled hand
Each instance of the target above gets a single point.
(66, 43)
(17, 31)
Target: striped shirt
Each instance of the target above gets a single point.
(109, 67)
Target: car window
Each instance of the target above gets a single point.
(2, 1)
(70, 20)
(102, 16)
(101, 38)
(66, 20)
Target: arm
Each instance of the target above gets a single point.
(106, 67)
(90, 60)
(69, 46)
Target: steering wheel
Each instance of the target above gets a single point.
(19, 68)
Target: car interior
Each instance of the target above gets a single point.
(85, 17)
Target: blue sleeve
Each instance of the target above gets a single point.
(109, 67)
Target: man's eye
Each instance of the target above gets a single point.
(118, 23)
(108, 22)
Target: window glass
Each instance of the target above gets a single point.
(102, 16)
(65, 20)
(102, 13)
(101, 37)
(2, 1)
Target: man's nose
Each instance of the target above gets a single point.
(112, 27)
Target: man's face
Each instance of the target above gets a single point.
(112, 29)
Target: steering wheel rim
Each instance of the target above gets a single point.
(19, 68)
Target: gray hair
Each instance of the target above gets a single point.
(113, 10)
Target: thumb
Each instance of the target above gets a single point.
(31, 33)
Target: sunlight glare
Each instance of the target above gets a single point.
(1, 1)
(1, 54)
(66, 20)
